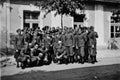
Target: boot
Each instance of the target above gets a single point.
(22, 65)
(82, 60)
(95, 59)
(17, 65)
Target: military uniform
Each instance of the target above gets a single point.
(24, 57)
(69, 40)
(56, 38)
(36, 56)
(28, 37)
(19, 44)
(92, 44)
(69, 43)
(61, 53)
(47, 40)
(81, 44)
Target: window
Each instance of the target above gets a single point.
(115, 18)
(115, 31)
(31, 19)
(27, 25)
(35, 15)
(31, 14)
(79, 17)
(115, 25)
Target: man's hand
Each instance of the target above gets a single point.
(16, 50)
(76, 47)
(92, 46)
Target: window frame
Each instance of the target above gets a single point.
(114, 31)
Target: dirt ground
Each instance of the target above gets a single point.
(107, 68)
(109, 72)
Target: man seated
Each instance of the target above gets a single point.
(24, 57)
(61, 55)
(36, 55)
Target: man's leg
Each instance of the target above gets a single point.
(82, 54)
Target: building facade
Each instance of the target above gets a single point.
(16, 14)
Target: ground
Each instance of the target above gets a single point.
(107, 68)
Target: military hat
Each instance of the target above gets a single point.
(91, 27)
(18, 30)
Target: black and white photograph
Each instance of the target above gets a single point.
(59, 39)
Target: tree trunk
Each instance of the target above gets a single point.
(61, 21)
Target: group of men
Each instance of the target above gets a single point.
(61, 45)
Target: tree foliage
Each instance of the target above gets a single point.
(67, 7)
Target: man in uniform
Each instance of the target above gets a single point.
(80, 45)
(19, 44)
(25, 56)
(69, 45)
(36, 55)
(75, 49)
(47, 40)
(27, 37)
(61, 53)
(92, 35)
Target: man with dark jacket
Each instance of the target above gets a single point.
(81, 38)
(69, 44)
(36, 55)
(92, 42)
(25, 56)
(61, 53)
(19, 44)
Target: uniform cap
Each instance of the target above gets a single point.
(18, 30)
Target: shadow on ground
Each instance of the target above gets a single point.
(109, 72)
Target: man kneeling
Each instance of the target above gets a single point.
(61, 55)
(24, 57)
(36, 55)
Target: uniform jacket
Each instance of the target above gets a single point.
(19, 41)
(92, 38)
(81, 38)
(60, 50)
(47, 42)
(69, 39)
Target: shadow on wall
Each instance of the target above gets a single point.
(113, 44)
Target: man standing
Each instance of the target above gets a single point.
(69, 44)
(92, 42)
(19, 44)
(80, 45)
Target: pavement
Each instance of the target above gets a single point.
(104, 57)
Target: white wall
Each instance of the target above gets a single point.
(68, 21)
(99, 24)
(56, 20)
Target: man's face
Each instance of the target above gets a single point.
(19, 32)
(80, 31)
(36, 46)
(27, 45)
(60, 44)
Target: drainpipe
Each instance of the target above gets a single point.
(8, 23)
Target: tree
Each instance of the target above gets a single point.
(61, 7)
